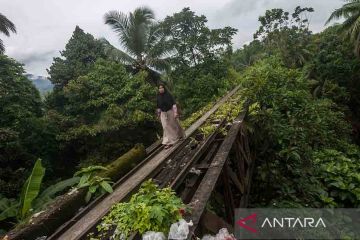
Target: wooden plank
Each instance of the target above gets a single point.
(201, 150)
(94, 215)
(235, 180)
(228, 197)
(214, 223)
(208, 183)
(245, 198)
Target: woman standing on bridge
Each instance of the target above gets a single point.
(168, 114)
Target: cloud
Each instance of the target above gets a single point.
(238, 8)
(244, 14)
(45, 26)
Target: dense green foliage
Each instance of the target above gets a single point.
(305, 94)
(104, 105)
(196, 86)
(248, 55)
(286, 35)
(193, 41)
(199, 66)
(30, 200)
(77, 59)
(23, 131)
(336, 73)
(150, 209)
(95, 184)
(297, 135)
(350, 27)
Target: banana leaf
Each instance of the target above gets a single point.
(31, 189)
(49, 193)
(8, 207)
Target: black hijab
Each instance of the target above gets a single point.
(164, 100)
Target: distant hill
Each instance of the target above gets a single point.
(41, 82)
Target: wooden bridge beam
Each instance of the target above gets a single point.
(210, 179)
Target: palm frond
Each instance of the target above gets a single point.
(138, 31)
(117, 20)
(6, 25)
(116, 54)
(350, 28)
(157, 46)
(354, 31)
(2, 47)
(142, 39)
(345, 11)
(357, 46)
(132, 29)
(143, 15)
(160, 64)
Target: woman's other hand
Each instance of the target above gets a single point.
(174, 107)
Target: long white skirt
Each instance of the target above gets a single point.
(171, 127)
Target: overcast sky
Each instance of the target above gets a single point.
(45, 26)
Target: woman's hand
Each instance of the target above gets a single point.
(176, 115)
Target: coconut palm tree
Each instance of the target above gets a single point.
(5, 27)
(351, 26)
(141, 38)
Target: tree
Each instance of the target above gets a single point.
(24, 134)
(351, 26)
(199, 65)
(305, 156)
(6, 26)
(142, 39)
(286, 35)
(193, 40)
(107, 105)
(336, 73)
(77, 59)
(247, 55)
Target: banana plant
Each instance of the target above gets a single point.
(30, 200)
(31, 189)
(8, 208)
(49, 193)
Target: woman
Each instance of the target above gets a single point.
(168, 114)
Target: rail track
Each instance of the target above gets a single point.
(169, 167)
